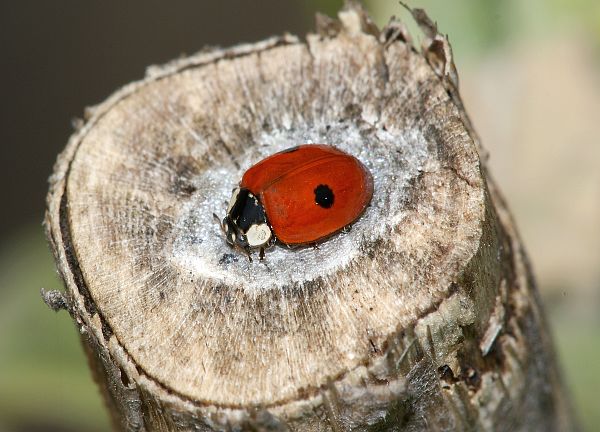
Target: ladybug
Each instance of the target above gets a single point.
(298, 196)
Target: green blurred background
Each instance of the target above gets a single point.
(530, 77)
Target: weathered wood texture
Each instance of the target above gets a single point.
(423, 316)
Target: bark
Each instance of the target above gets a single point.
(424, 316)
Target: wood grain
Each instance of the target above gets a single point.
(423, 315)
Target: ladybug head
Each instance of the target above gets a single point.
(245, 224)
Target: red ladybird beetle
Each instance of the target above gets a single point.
(298, 196)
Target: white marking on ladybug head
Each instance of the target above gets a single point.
(258, 235)
(233, 199)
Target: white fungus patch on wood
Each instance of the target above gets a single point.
(199, 247)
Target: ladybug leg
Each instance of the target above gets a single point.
(346, 229)
(261, 254)
(315, 246)
(246, 251)
(219, 221)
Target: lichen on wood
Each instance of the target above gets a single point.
(423, 316)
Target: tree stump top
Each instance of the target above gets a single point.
(136, 188)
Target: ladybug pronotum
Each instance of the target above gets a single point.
(299, 196)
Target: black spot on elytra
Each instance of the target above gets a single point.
(324, 196)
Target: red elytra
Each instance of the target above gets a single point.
(304, 194)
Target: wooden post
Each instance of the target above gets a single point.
(424, 316)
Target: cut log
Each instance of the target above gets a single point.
(424, 316)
